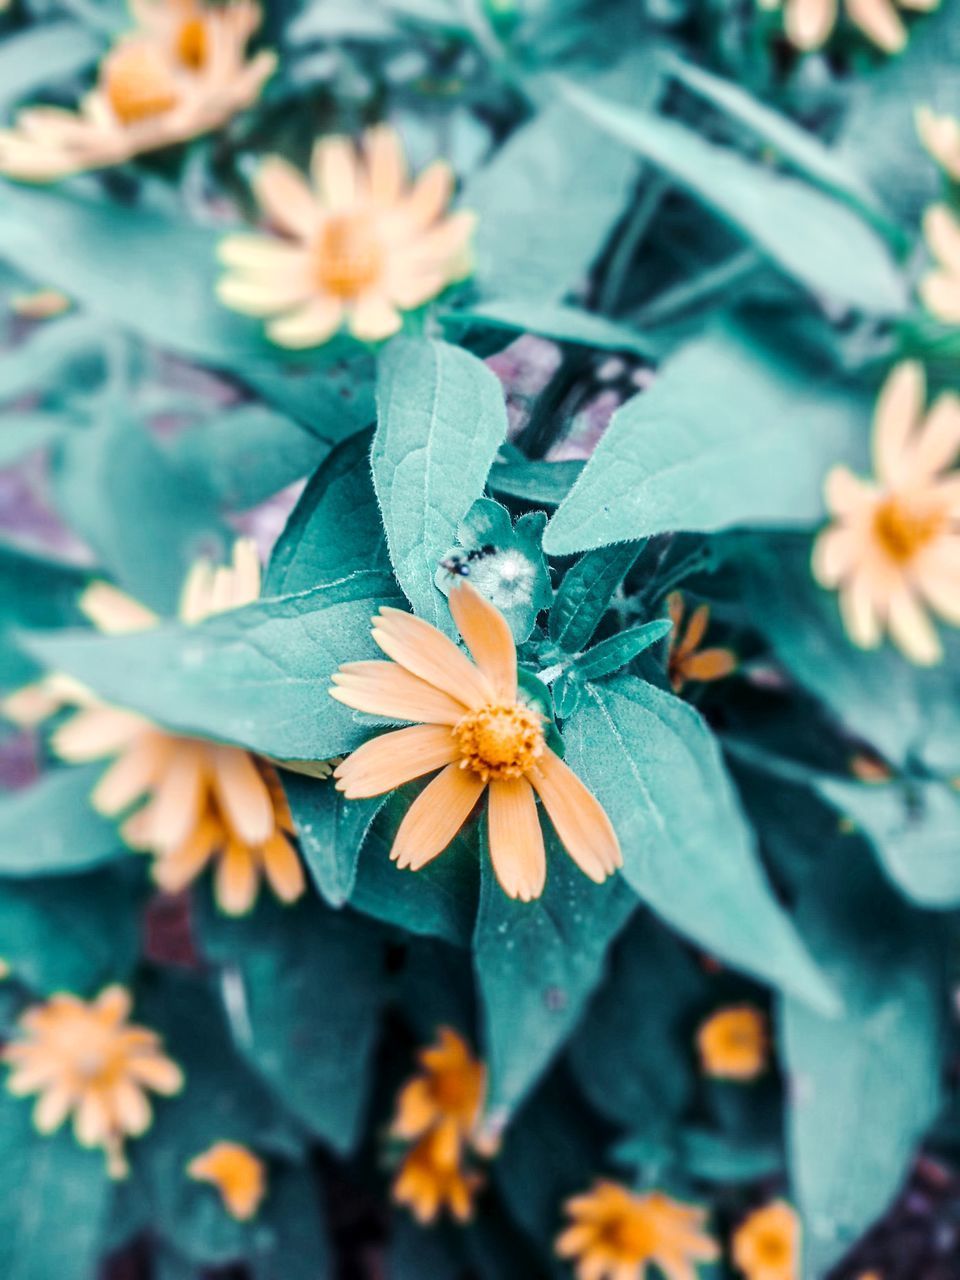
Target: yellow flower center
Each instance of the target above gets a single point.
(348, 256)
(139, 84)
(632, 1237)
(903, 530)
(772, 1249)
(500, 742)
(192, 44)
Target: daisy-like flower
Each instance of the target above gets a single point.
(428, 1181)
(766, 1246)
(237, 1174)
(894, 545)
(87, 1059)
(733, 1043)
(181, 73)
(471, 724)
(941, 137)
(445, 1098)
(685, 659)
(358, 243)
(809, 23)
(940, 288)
(205, 801)
(617, 1234)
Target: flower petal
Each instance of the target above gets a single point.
(896, 417)
(879, 20)
(386, 164)
(96, 732)
(429, 654)
(911, 629)
(236, 879)
(373, 318)
(113, 611)
(387, 762)
(334, 170)
(285, 197)
(310, 326)
(283, 869)
(940, 293)
(174, 871)
(809, 22)
(176, 805)
(709, 664)
(435, 817)
(939, 441)
(941, 229)
(389, 690)
(578, 817)
(262, 297)
(846, 494)
(835, 553)
(488, 637)
(516, 839)
(859, 613)
(243, 794)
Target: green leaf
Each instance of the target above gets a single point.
(293, 1243)
(304, 985)
(537, 963)
(256, 676)
(24, 433)
(688, 850)
(335, 529)
(913, 827)
(50, 827)
(814, 238)
(714, 1157)
(72, 933)
(440, 419)
(544, 483)
(734, 431)
(62, 355)
(330, 830)
(550, 320)
(866, 1085)
(585, 594)
(34, 592)
(614, 653)
(42, 55)
(146, 518)
(53, 1202)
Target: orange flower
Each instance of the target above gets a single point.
(361, 244)
(618, 1234)
(685, 659)
(88, 1060)
(237, 1174)
(809, 23)
(445, 1098)
(767, 1245)
(940, 288)
(940, 136)
(428, 1182)
(894, 546)
(181, 73)
(473, 727)
(733, 1043)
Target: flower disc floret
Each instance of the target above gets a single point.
(500, 741)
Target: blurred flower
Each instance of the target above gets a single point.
(4, 970)
(893, 548)
(867, 768)
(685, 659)
(618, 1234)
(182, 72)
(86, 1059)
(360, 243)
(733, 1043)
(940, 288)
(204, 800)
(445, 1098)
(471, 724)
(428, 1182)
(237, 1174)
(941, 137)
(40, 305)
(766, 1246)
(809, 23)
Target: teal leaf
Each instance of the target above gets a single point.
(612, 654)
(64, 354)
(39, 56)
(441, 418)
(550, 320)
(293, 1243)
(53, 1203)
(545, 484)
(813, 237)
(537, 963)
(330, 830)
(50, 828)
(24, 433)
(719, 1158)
(866, 1085)
(304, 985)
(734, 431)
(257, 676)
(509, 568)
(335, 529)
(688, 850)
(585, 594)
(34, 592)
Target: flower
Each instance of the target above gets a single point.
(428, 1182)
(86, 1059)
(359, 243)
(685, 660)
(940, 288)
(733, 1043)
(42, 304)
(471, 724)
(894, 547)
(237, 1174)
(766, 1246)
(181, 72)
(809, 23)
(445, 1099)
(617, 1234)
(204, 800)
(941, 137)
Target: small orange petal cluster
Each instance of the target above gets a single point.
(733, 1043)
(766, 1245)
(238, 1175)
(686, 660)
